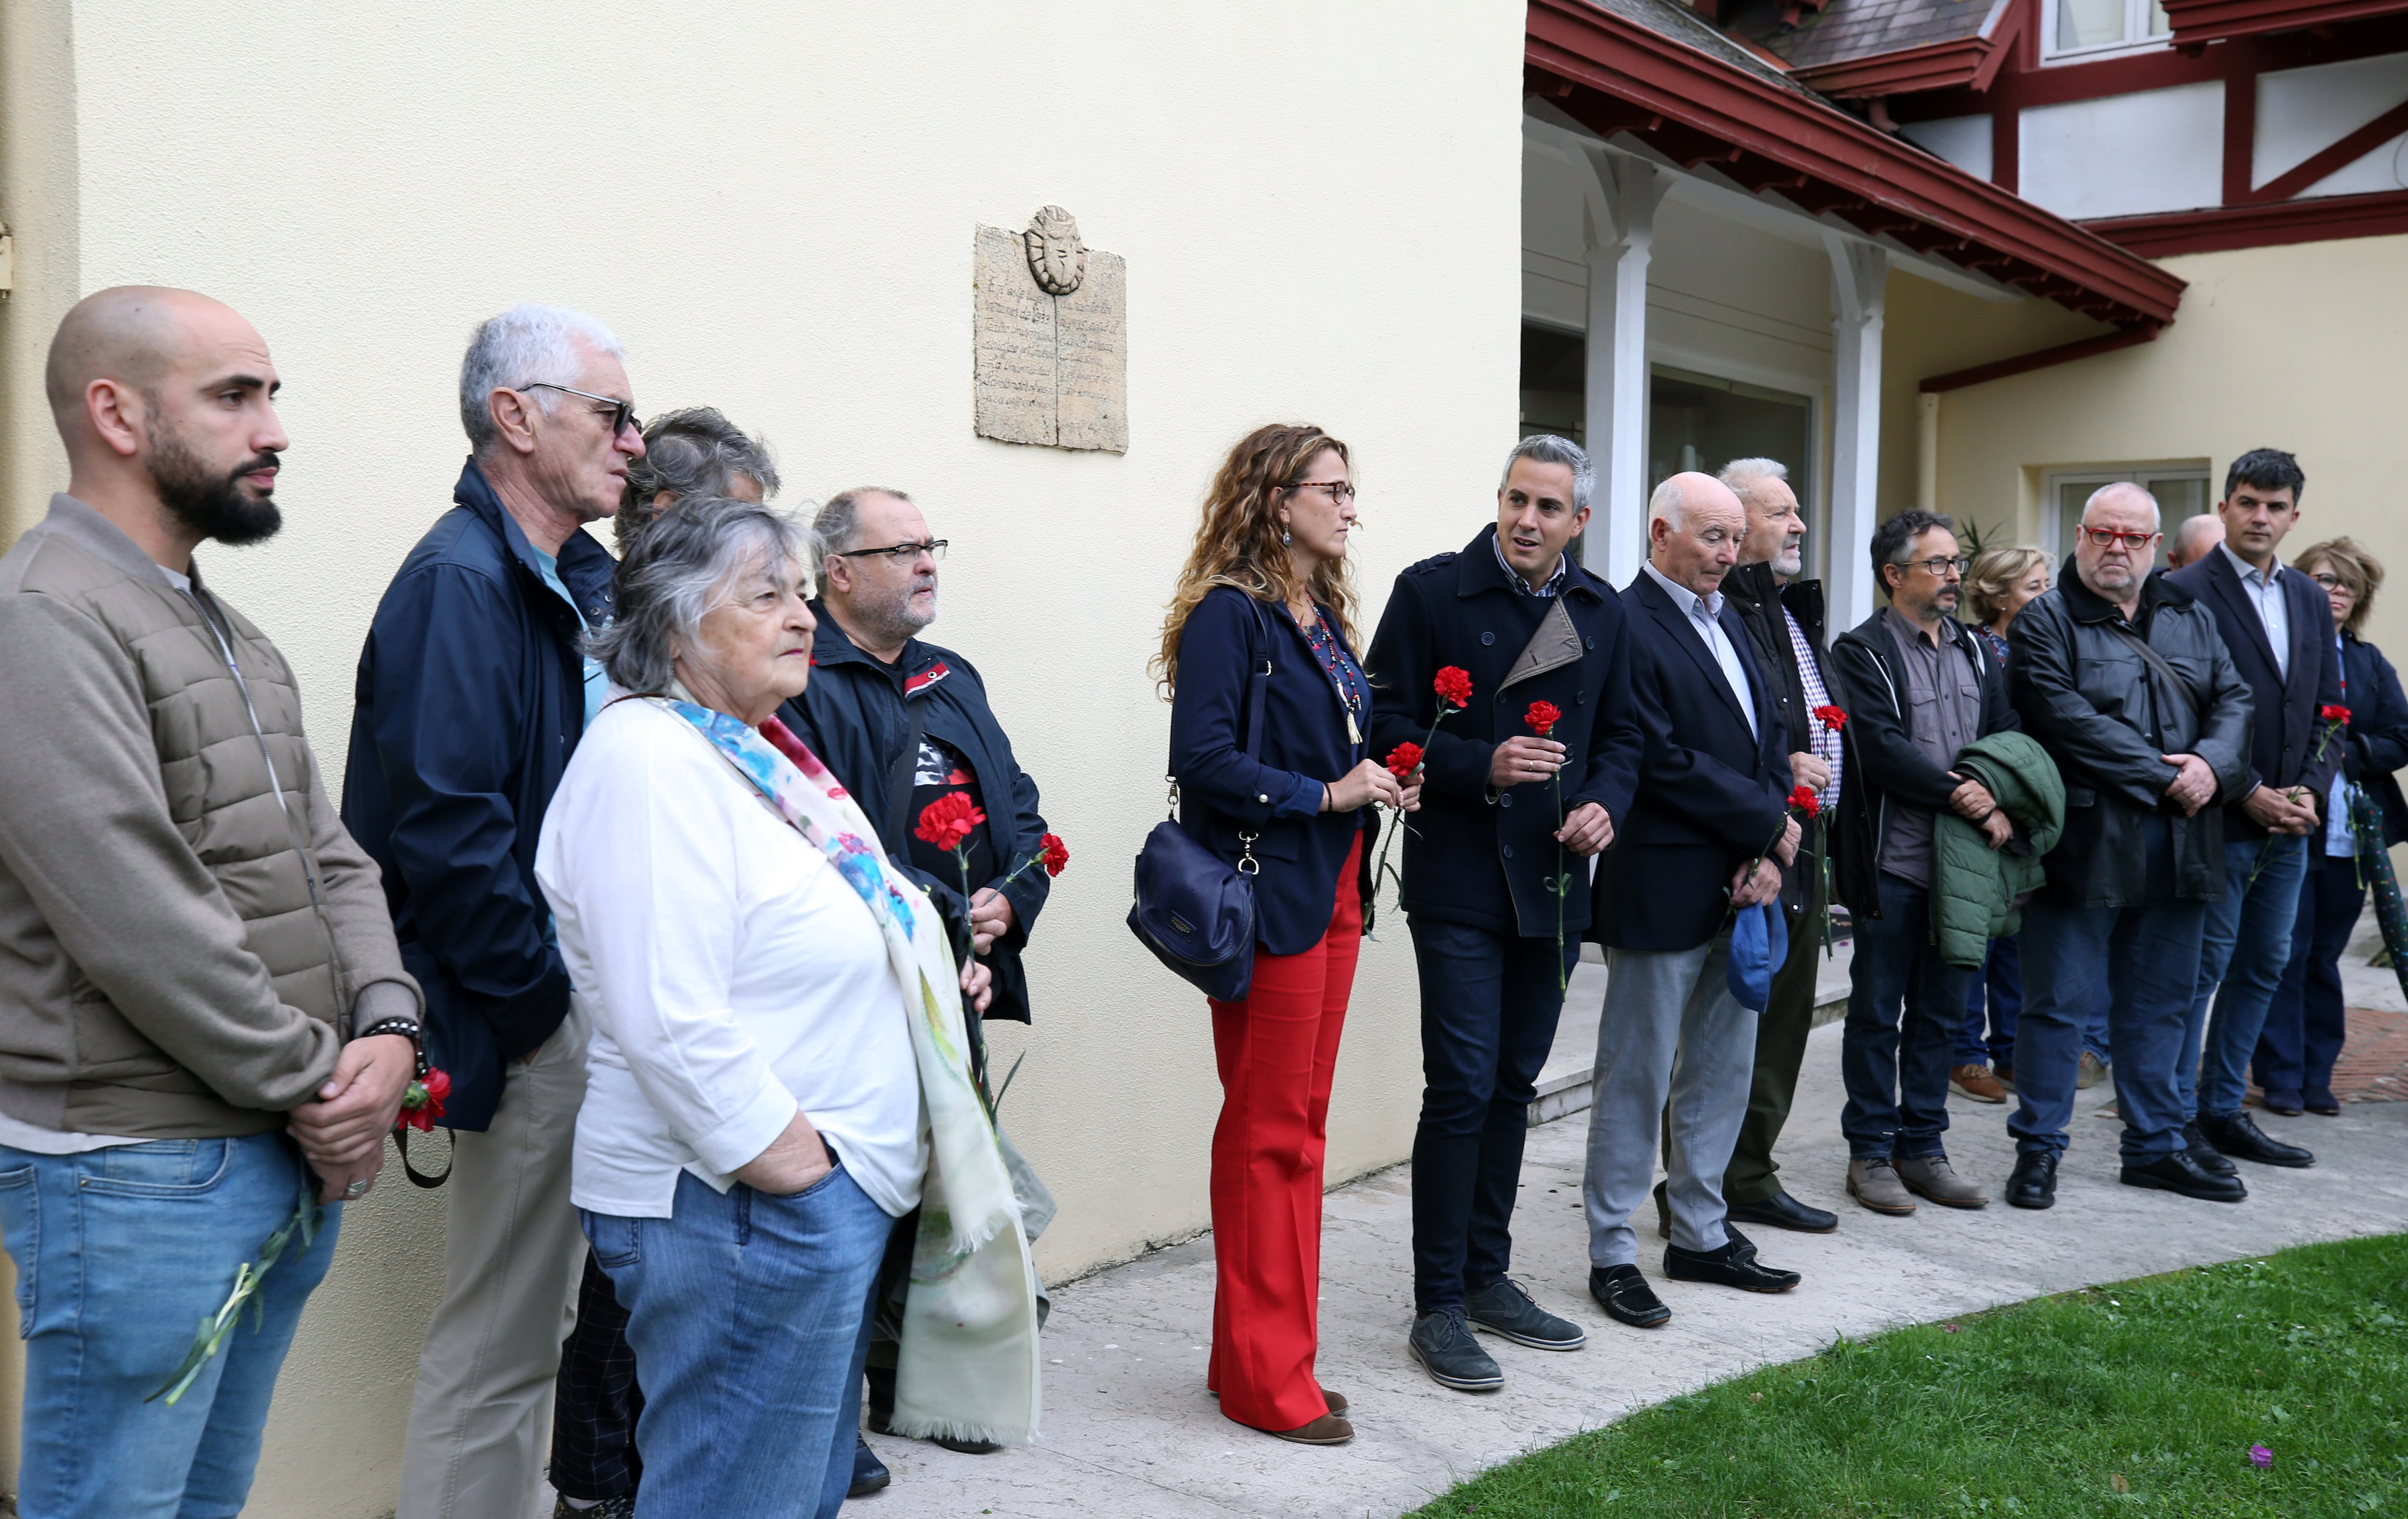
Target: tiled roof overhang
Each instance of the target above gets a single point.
(1971, 62)
(2197, 22)
(1615, 75)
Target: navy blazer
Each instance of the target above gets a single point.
(1222, 792)
(1712, 796)
(2378, 731)
(2283, 725)
(470, 699)
(1476, 856)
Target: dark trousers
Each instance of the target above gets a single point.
(2304, 1024)
(595, 1401)
(1489, 1006)
(1781, 1032)
(1906, 1005)
(1997, 994)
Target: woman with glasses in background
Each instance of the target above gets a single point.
(2305, 1026)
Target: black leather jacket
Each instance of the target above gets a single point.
(2081, 687)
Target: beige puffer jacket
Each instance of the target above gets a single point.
(185, 928)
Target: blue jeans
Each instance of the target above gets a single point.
(2241, 953)
(2305, 1025)
(1904, 1007)
(1489, 1006)
(2001, 980)
(2142, 962)
(121, 1253)
(749, 1318)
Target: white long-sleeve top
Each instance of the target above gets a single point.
(731, 975)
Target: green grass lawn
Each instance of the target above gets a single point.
(2141, 1398)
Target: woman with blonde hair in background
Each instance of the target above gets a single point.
(1265, 596)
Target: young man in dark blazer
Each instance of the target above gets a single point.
(1709, 831)
(1495, 869)
(2279, 629)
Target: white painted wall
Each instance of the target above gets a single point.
(1966, 141)
(2301, 111)
(773, 205)
(2126, 155)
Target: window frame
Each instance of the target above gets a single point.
(2053, 534)
(2137, 37)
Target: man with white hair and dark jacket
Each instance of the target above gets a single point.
(472, 694)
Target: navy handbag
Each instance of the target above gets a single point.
(1194, 910)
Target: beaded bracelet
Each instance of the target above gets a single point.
(408, 1029)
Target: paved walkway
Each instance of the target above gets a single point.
(1131, 1431)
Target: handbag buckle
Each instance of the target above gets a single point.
(1247, 864)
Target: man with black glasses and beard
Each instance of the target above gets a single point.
(204, 1016)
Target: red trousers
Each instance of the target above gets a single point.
(1277, 1051)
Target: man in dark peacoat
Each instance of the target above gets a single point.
(1495, 869)
(2279, 629)
(1703, 837)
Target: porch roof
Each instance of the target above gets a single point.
(1657, 72)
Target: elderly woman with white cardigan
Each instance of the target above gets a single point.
(778, 1066)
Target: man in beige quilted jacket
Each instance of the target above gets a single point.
(204, 1019)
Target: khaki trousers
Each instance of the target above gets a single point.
(479, 1418)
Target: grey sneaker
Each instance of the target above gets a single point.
(1874, 1183)
(1932, 1177)
(1443, 1343)
(2092, 1071)
(1503, 1307)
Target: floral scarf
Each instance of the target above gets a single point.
(968, 1367)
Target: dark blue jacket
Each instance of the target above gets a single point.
(2378, 731)
(1223, 792)
(1474, 855)
(853, 715)
(2283, 725)
(1712, 796)
(470, 696)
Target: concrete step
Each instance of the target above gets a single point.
(1564, 1081)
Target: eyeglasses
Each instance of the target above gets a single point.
(2330, 581)
(2107, 537)
(621, 413)
(1340, 492)
(1939, 568)
(902, 553)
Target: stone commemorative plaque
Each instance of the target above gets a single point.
(1051, 331)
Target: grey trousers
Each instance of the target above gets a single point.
(479, 1418)
(1670, 1031)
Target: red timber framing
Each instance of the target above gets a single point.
(2222, 227)
(1616, 77)
(2197, 22)
(1971, 62)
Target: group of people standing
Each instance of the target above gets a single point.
(2096, 805)
(677, 883)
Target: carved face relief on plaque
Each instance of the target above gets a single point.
(1056, 256)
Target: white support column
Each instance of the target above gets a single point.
(1859, 273)
(1622, 193)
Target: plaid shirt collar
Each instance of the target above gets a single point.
(1514, 578)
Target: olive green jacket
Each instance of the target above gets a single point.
(1976, 890)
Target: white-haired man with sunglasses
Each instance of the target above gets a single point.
(2124, 678)
(472, 693)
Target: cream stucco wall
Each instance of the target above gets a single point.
(773, 205)
(2295, 347)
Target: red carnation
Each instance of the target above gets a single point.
(1542, 717)
(1831, 718)
(421, 1104)
(1803, 802)
(2333, 714)
(1454, 686)
(1055, 853)
(1404, 760)
(948, 820)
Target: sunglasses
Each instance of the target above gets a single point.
(621, 413)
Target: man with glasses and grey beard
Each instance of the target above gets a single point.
(903, 724)
(471, 695)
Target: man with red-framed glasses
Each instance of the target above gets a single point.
(2124, 678)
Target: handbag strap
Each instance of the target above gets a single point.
(2156, 660)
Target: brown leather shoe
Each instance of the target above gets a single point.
(1337, 1401)
(1329, 1429)
(1975, 1082)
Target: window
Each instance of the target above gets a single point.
(1554, 382)
(2181, 492)
(2087, 28)
(1702, 423)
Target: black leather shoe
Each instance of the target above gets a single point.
(1503, 1307)
(1782, 1212)
(869, 1473)
(2320, 1101)
(2240, 1137)
(1443, 1344)
(1732, 1266)
(2033, 1182)
(2287, 1104)
(2179, 1172)
(1626, 1295)
(2210, 1158)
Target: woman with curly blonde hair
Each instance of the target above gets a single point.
(1270, 719)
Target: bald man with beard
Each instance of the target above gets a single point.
(203, 1017)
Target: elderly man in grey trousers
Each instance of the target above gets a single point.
(1704, 836)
